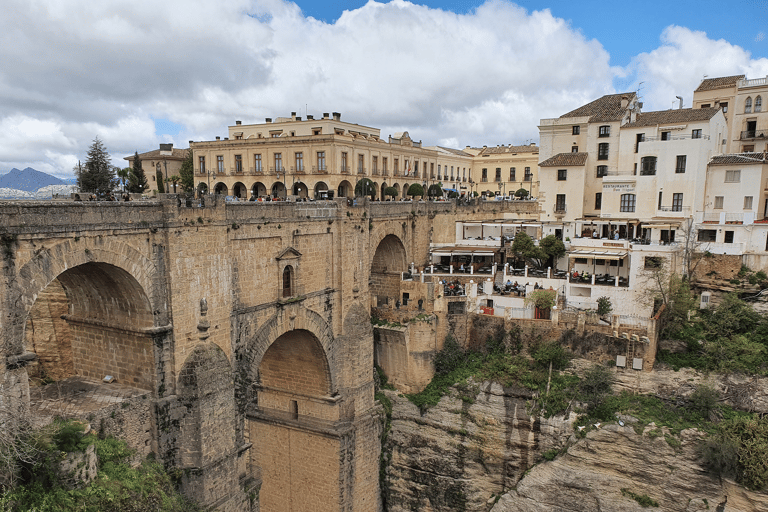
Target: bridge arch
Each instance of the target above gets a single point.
(84, 310)
(388, 261)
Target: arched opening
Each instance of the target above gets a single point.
(375, 196)
(345, 189)
(221, 189)
(383, 189)
(278, 190)
(93, 321)
(296, 363)
(240, 191)
(397, 187)
(288, 281)
(321, 190)
(202, 189)
(388, 262)
(300, 189)
(258, 189)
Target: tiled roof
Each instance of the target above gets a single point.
(709, 84)
(607, 108)
(680, 115)
(509, 150)
(739, 158)
(564, 160)
(455, 151)
(179, 154)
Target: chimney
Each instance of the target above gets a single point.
(190, 142)
(325, 115)
(218, 138)
(297, 118)
(337, 116)
(238, 123)
(269, 119)
(681, 102)
(624, 102)
(310, 118)
(293, 116)
(166, 147)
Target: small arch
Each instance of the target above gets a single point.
(390, 256)
(383, 189)
(748, 105)
(300, 189)
(278, 190)
(759, 104)
(345, 189)
(202, 189)
(396, 186)
(288, 281)
(239, 191)
(221, 189)
(259, 189)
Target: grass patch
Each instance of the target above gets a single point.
(642, 499)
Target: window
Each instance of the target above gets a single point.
(677, 202)
(416, 168)
(602, 170)
(238, 163)
(732, 176)
(321, 160)
(219, 163)
(640, 137)
(748, 105)
(498, 174)
(598, 201)
(511, 174)
(728, 239)
(201, 161)
(576, 130)
(666, 135)
(705, 105)
(278, 162)
(660, 196)
(562, 174)
(396, 167)
(719, 202)
(451, 172)
(627, 203)
(299, 161)
(375, 164)
(648, 166)
(484, 176)
(384, 164)
(680, 165)
(317, 131)
(604, 131)
(724, 106)
(748, 149)
(602, 151)
(574, 149)
(696, 134)
(528, 174)
(652, 262)
(560, 203)
(344, 162)
(759, 104)
(287, 278)
(439, 172)
(707, 235)
(747, 202)
(582, 261)
(361, 163)
(257, 162)
(431, 169)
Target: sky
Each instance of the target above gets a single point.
(454, 73)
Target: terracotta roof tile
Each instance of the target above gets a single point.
(565, 159)
(175, 154)
(455, 151)
(509, 150)
(739, 158)
(722, 82)
(607, 108)
(680, 115)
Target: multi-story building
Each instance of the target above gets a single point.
(503, 170)
(165, 162)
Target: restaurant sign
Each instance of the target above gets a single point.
(619, 187)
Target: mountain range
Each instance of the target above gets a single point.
(28, 180)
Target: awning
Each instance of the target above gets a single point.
(597, 254)
(457, 250)
(661, 226)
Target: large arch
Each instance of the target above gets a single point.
(389, 260)
(202, 189)
(296, 363)
(320, 186)
(239, 190)
(278, 190)
(345, 189)
(259, 189)
(300, 189)
(221, 189)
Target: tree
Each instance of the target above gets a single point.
(159, 178)
(174, 180)
(187, 173)
(521, 193)
(553, 248)
(549, 247)
(416, 190)
(390, 191)
(97, 174)
(123, 175)
(670, 294)
(365, 187)
(137, 181)
(435, 190)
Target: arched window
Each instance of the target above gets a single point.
(758, 104)
(748, 105)
(287, 279)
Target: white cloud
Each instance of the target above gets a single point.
(85, 68)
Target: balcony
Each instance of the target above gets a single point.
(298, 170)
(528, 177)
(319, 169)
(484, 180)
(755, 82)
(560, 209)
(361, 170)
(257, 170)
(384, 172)
(344, 169)
(277, 170)
(753, 134)
(201, 172)
(375, 172)
(236, 170)
(674, 211)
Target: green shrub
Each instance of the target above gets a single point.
(740, 448)
(550, 352)
(703, 401)
(642, 499)
(604, 306)
(594, 387)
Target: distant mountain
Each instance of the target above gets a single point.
(28, 180)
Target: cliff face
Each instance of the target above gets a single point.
(466, 451)
(591, 475)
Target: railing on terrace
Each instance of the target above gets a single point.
(753, 134)
(674, 208)
(711, 217)
(298, 170)
(633, 321)
(344, 169)
(319, 170)
(755, 82)
(734, 218)
(259, 170)
(675, 137)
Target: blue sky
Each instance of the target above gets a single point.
(136, 73)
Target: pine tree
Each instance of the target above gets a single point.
(187, 173)
(97, 174)
(137, 181)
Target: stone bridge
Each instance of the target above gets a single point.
(243, 328)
